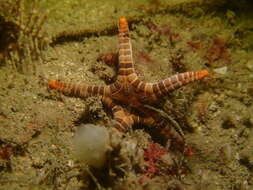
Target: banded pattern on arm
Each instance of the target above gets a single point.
(177, 81)
(170, 133)
(169, 84)
(143, 120)
(165, 129)
(79, 90)
(126, 65)
(123, 120)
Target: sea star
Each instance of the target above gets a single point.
(128, 95)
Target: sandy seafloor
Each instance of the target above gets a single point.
(37, 126)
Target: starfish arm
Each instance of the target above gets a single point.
(123, 120)
(176, 81)
(143, 120)
(115, 87)
(108, 102)
(141, 86)
(168, 131)
(126, 65)
(79, 90)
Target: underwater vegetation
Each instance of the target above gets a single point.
(22, 35)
